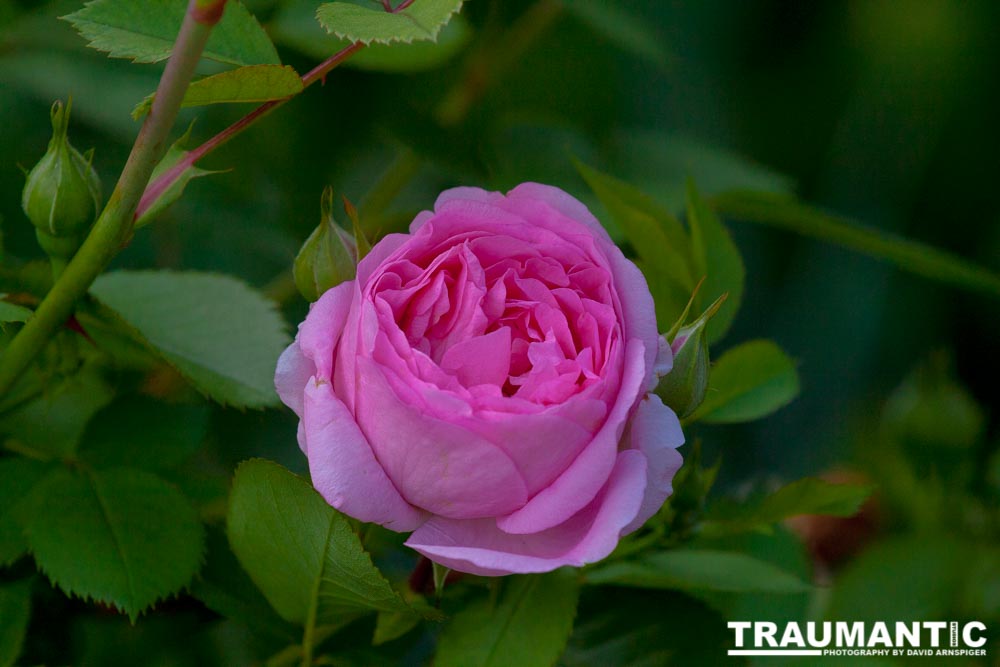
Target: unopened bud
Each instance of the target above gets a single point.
(683, 388)
(328, 257)
(62, 194)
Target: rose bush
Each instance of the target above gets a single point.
(484, 383)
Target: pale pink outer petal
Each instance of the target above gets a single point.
(588, 473)
(561, 201)
(320, 332)
(291, 375)
(656, 432)
(436, 465)
(479, 547)
(343, 466)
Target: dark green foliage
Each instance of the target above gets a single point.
(130, 531)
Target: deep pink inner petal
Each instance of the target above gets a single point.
(517, 313)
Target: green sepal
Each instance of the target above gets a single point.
(62, 193)
(328, 257)
(684, 387)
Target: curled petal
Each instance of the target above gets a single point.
(583, 478)
(343, 466)
(479, 547)
(291, 376)
(436, 465)
(320, 332)
(656, 432)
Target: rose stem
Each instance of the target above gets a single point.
(115, 224)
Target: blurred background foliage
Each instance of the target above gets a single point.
(883, 111)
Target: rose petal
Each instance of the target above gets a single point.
(480, 360)
(656, 432)
(378, 255)
(569, 206)
(291, 375)
(479, 547)
(583, 478)
(436, 465)
(320, 332)
(343, 466)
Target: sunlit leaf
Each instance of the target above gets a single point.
(370, 22)
(295, 26)
(253, 83)
(224, 337)
(145, 31)
(748, 382)
(299, 551)
(121, 537)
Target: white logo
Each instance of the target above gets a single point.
(845, 638)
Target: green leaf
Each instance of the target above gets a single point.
(173, 156)
(224, 587)
(11, 312)
(145, 31)
(646, 628)
(121, 537)
(295, 26)
(810, 495)
(371, 23)
(717, 260)
(657, 236)
(53, 423)
(748, 382)
(299, 551)
(527, 626)
(18, 478)
(621, 28)
(140, 432)
(217, 332)
(918, 258)
(15, 612)
(696, 570)
(253, 83)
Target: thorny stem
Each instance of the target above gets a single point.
(115, 224)
(169, 177)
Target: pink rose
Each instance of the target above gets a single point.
(484, 383)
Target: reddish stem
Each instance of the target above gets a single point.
(169, 177)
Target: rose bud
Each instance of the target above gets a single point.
(62, 194)
(485, 383)
(328, 257)
(683, 389)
